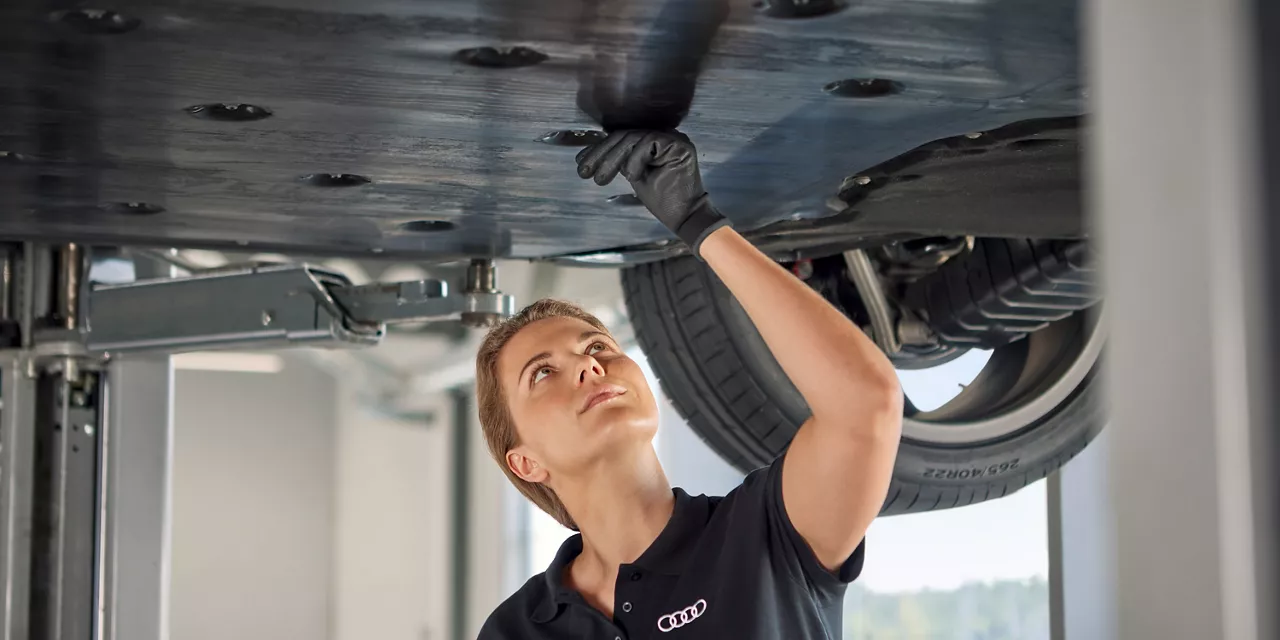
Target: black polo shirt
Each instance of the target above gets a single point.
(723, 567)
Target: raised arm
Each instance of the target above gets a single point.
(837, 469)
(838, 466)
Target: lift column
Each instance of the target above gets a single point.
(1183, 164)
(86, 387)
(53, 479)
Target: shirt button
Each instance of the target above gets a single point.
(635, 575)
(626, 606)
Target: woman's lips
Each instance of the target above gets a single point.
(602, 394)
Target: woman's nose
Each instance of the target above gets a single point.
(592, 370)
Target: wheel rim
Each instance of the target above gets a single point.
(1020, 385)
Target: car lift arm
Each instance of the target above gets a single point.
(269, 306)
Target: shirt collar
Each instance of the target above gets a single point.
(668, 554)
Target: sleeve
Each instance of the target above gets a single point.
(503, 623)
(788, 545)
(491, 629)
(498, 627)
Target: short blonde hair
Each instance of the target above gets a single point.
(496, 422)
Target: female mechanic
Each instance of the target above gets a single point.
(570, 419)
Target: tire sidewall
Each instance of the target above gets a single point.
(1036, 449)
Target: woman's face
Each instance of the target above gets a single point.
(577, 400)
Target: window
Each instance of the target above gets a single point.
(976, 572)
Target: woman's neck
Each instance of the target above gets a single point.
(620, 511)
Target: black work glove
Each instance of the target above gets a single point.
(662, 168)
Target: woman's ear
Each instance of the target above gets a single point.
(524, 467)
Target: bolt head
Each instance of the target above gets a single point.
(973, 136)
(804, 269)
(862, 180)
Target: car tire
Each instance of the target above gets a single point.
(717, 371)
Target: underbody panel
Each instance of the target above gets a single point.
(383, 126)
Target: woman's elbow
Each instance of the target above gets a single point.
(873, 409)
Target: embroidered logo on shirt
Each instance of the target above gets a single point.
(677, 619)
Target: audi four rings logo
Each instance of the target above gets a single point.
(677, 619)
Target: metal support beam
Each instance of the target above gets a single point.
(1179, 176)
(269, 306)
(1082, 604)
(17, 456)
(274, 305)
(134, 542)
(65, 500)
(10, 329)
(1057, 608)
(72, 267)
(460, 512)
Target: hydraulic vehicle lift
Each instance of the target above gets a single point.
(86, 413)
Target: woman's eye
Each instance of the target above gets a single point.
(591, 350)
(541, 373)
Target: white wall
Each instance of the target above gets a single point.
(252, 505)
(393, 526)
(300, 513)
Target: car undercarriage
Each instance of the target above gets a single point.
(446, 130)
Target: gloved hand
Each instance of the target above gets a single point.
(662, 168)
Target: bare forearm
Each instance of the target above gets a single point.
(835, 366)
